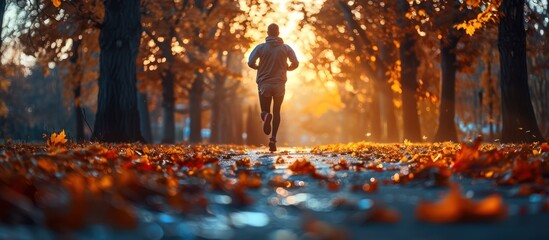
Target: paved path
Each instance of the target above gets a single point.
(287, 213)
(524, 221)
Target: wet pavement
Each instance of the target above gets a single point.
(315, 208)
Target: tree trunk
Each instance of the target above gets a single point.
(117, 117)
(77, 90)
(386, 94)
(2, 10)
(237, 123)
(79, 113)
(376, 129)
(216, 120)
(197, 89)
(195, 108)
(491, 96)
(254, 130)
(216, 123)
(519, 120)
(144, 119)
(230, 126)
(168, 95)
(168, 107)
(408, 65)
(447, 110)
(392, 132)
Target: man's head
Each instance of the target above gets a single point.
(272, 30)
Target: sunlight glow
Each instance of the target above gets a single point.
(310, 92)
(300, 39)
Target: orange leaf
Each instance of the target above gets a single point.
(245, 162)
(489, 208)
(56, 3)
(302, 166)
(111, 154)
(250, 181)
(382, 215)
(524, 171)
(56, 141)
(545, 147)
(473, 3)
(466, 156)
(47, 165)
(333, 186)
(341, 165)
(447, 210)
(453, 208)
(317, 229)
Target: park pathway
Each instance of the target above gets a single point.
(305, 194)
(340, 211)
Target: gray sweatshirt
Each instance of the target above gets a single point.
(273, 57)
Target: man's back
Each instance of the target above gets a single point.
(273, 58)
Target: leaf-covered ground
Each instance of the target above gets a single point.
(352, 191)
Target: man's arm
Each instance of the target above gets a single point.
(253, 58)
(293, 59)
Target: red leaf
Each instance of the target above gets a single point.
(466, 156)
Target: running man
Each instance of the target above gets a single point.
(273, 57)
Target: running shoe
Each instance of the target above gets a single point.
(272, 145)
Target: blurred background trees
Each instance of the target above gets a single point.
(383, 71)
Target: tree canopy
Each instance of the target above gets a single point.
(418, 71)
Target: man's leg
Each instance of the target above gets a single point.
(266, 116)
(265, 104)
(276, 114)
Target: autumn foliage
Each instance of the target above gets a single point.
(379, 59)
(116, 180)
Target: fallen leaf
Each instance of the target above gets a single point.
(333, 186)
(340, 165)
(447, 210)
(453, 208)
(545, 147)
(302, 166)
(56, 3)
(545, 207)
(466, 156)
(249, 181)
(56, 142)
(317, 229)
(378, 214)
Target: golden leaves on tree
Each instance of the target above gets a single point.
(489, 14)
(473, 3)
